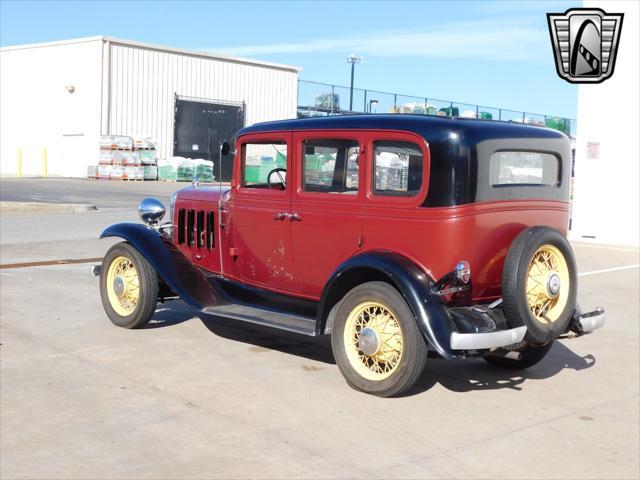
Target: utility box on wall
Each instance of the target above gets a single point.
(58, 98)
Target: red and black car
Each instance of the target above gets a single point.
(398, 235)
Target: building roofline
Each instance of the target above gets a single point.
(54, 43)
(161, 48)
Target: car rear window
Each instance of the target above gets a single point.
(524, 168)
(398, 168)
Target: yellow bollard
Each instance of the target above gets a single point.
(44, 162)
(19, 163)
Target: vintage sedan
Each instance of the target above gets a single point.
(401, 236)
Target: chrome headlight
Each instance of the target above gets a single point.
(151, 211)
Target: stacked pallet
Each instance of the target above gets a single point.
(185, 170)
(125, 158)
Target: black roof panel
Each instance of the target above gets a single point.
(425, 125)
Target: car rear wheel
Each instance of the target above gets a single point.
(539, 284)
(376, 342)
(128, 286)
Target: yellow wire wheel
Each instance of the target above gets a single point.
(128, 286)
(373, 340)
(539, 284)
(548, 284)
(376, 341)
(123, 285)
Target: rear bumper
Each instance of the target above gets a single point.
(588, 322)
(480, 341)
(581, 324)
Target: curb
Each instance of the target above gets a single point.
(38, 207)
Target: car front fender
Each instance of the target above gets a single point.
(413, 283)
(177, 271)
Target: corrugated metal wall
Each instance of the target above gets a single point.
(144, 82)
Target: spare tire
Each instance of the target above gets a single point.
(539, 284)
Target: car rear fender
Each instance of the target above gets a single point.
(411, 281)
(186, 280)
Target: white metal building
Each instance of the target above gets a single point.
(606, 203)
(57, 98)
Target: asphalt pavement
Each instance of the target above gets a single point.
(203, 397)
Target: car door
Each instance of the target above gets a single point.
(397, 179)
(326, 208)
(260, 202)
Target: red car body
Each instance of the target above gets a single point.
(396, 234)
(297, 258)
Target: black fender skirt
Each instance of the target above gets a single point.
(431, 315)
(177, 271)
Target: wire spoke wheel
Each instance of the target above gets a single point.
(539, 284)
(123, 286)
(376, 341)
(373, 340)
(547, 284)
(128, 286)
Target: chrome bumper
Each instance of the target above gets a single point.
(479, 341)
(592, 320)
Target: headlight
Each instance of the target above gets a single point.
(151, 211)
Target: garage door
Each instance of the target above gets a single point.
(201, 126)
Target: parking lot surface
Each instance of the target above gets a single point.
(202, 397)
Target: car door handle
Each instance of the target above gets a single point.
(295, 216)
(281, 216)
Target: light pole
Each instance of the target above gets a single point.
(352, 59)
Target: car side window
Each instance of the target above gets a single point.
(398, 168)
(264, 165)
(330, 166)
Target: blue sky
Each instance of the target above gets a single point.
(488, 53)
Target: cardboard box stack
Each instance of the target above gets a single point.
(125, 158)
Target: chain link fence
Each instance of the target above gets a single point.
(321, 99)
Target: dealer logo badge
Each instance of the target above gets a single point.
(585, 43)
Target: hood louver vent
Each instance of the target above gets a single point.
(196, 228)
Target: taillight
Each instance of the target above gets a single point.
(463, 271)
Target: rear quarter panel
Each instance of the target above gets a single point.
(437, 238)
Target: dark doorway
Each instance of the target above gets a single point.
(200, 126)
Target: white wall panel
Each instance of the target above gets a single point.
(606, 202)
(144, 82)
(37, 112)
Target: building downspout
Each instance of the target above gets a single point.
(105, 121)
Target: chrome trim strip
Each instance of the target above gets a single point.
(494, 304)
(479, 341)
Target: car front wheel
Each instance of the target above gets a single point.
(376, 342)
(128, 286)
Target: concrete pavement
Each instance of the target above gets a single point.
(202, 397)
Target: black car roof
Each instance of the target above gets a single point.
(430, 127)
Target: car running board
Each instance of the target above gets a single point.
(263, 316)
